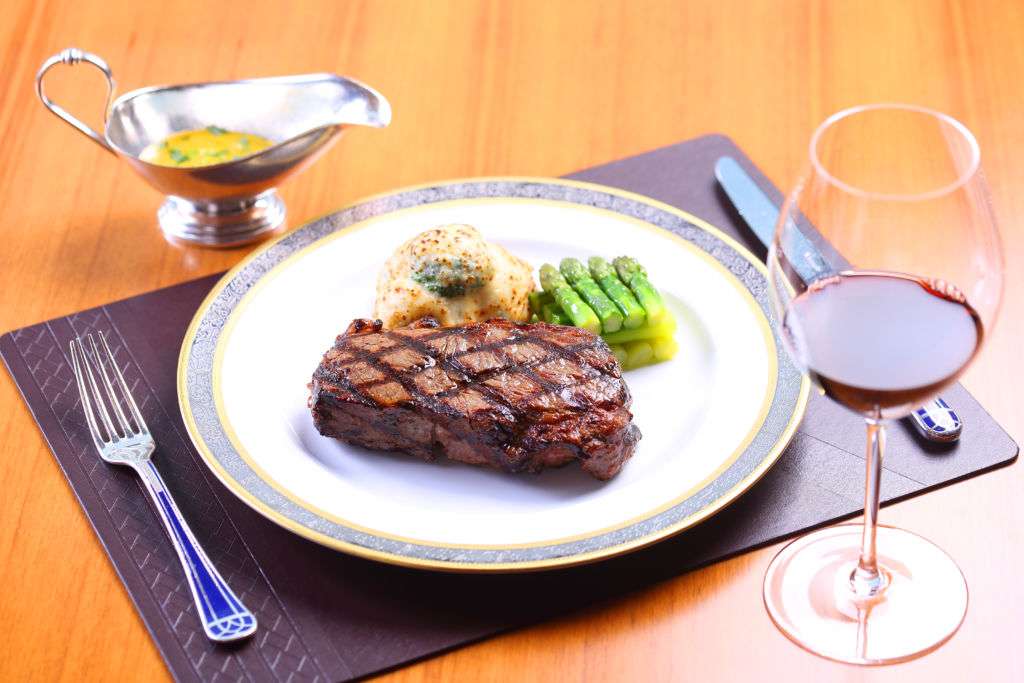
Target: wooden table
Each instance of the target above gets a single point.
(532, 88)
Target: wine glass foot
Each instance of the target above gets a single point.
(808, 595)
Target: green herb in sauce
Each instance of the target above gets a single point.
(447, 278)
(178, 157)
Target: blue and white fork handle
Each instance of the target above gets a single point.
(222, 614)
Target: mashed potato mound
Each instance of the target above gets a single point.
(453, 274)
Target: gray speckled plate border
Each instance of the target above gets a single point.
(196, 386)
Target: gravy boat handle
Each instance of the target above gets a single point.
(72, 56)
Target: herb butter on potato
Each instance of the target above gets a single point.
(450, 272)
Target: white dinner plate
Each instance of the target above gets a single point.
(713, 419)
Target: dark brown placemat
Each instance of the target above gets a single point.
(325, 616)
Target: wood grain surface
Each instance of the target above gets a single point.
(532, 88)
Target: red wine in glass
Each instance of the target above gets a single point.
(883, 343)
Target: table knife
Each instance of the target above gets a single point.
(935, 420)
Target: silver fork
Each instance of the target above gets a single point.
(223, 615)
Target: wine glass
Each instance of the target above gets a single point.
(886, 275)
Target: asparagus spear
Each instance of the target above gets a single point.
(664, 348)
(634, 275)
(551, 313)
(566, 297)
(537, 300)
(579, 277)
(620, 354)
(638, 353)
(633, 314)
(666, 328)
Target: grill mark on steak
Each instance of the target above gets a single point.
(333, 377)
(534, 396)
(406, 380)
(451, 363)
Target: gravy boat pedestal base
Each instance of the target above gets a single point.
(224, 223)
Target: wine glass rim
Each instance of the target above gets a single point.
(894, 106)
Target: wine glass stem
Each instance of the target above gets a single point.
(867, 580)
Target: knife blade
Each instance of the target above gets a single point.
(935, 420)
(761, 215)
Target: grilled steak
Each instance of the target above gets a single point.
(515, 397)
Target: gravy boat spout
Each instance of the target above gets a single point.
(233, 202)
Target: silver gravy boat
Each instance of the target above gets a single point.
(233, 202)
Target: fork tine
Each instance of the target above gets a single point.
(132, 407)
(115, 402)
(97, 397)
(83, 392)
